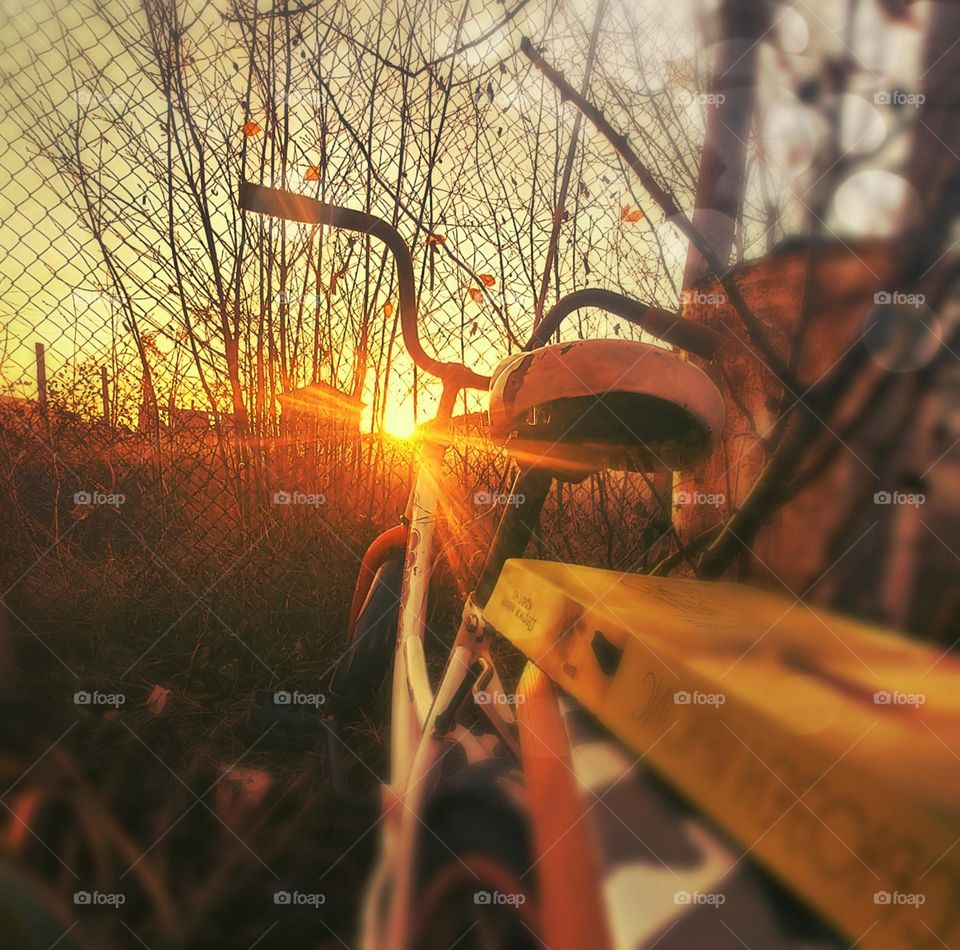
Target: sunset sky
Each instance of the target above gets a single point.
(490, 193)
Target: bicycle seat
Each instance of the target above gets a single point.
(619, 404)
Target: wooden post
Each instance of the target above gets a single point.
(105, 395)
(41, 379)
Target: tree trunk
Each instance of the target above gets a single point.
(730, 105)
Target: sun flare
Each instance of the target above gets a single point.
(398, 420)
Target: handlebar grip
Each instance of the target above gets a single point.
(694, 337)
(293, 207)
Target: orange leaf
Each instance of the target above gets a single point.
(435, 239)
(251, 128)
(388, 310)
(476, 293)
(312, 173)
(156, 702)
(631, 216)
(488, 280)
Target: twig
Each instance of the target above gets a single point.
(567, 171)
(670, 208)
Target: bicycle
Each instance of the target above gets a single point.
(501, 849)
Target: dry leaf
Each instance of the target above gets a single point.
(435, 239)
(476, 293)
(156, 702)
(312, 173)
(251, 128)
(336, 276)
(388, 310)
(241, 791)
(488, 280)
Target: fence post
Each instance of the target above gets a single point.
(41, 379)
(105, 395)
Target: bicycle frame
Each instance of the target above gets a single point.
(417, 733)
(422, 719)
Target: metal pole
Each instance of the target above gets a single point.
(41, 379)
(105, 395)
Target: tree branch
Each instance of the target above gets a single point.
(669, 206)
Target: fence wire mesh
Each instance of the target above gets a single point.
(172, 327)
(207, 416)
(174, 518)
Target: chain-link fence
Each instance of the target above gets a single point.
(152, 332)
(207, 416)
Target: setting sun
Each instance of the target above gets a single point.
(398, 419)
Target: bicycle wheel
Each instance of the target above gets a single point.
(475, 884)
(29, 918)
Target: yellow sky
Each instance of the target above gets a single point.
(50, 268)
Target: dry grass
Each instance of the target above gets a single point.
(213, 593)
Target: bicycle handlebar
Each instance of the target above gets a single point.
(693, 337)
(292, 207)
(686, 334)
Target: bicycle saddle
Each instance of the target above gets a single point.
(579, 407)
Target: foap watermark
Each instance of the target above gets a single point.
(494, 698)
(699, 898)
(697, 298)
(310, 499)
(705, 98)
(897, 97)
(485, 499)
(85, 298)
(895, 697)
(312, 100)
(697, 698)
(110, 499)
(298, 899)
(86, 697)
(294, 697)
(89, 97)
(98, 899)
(899, 299)
(710, 499)
(911, 499)
(499, 898)
(286, 298)
(899, 898)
